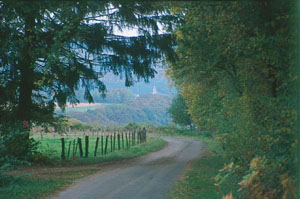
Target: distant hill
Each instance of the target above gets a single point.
(123, 105)
(113, 95)
(160, 82)
(143, 109)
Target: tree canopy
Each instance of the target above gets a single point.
(236, 69)
(48, 49)
(178, 112)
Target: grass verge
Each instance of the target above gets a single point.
(40, 182)
(198, 181)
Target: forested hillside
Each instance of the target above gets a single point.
(144, 109)
(113, 83)
(159, 81)
(116, 95)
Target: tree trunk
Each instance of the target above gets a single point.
(24, 111)
(26, 84)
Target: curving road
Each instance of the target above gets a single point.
(149, 176)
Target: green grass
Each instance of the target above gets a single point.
(198, 181)
(52, 146)
(173, 132)
(44, 184)
(153, 144)
(31, 187)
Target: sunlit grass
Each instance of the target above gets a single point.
(65, 172)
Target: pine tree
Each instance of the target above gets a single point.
(48, 49)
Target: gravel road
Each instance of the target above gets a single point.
(146, 177)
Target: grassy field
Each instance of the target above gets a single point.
(41, 181)
(52, 147)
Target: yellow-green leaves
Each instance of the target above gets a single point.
(236, 71)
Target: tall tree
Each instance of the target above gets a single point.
(236, 70)
(178, 112)
(48, 49)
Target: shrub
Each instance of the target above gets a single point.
(16, 148)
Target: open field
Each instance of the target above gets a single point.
(41, 181)
(107, 143)
(52, 146)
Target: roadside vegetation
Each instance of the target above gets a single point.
(201, 179)
(240, 83)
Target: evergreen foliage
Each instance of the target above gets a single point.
(48, 49)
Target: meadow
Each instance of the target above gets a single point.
(108, 147)
(57, 174)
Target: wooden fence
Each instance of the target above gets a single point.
(118, 141)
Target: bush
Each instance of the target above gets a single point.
(16, 148)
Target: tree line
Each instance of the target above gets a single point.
(150, 109)
(236, 70)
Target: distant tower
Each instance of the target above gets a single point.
(154, 92)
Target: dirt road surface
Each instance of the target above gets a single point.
(147, 177)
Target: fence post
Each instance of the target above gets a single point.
(63, 157)
(119, 146)
(86, 146)
(106, 142)
(114, 145)
(111, 143)
(141, 138)
(96, 147)
(129, 139)
(74, 147)
(80, 147)
(133, 138)
(69, 149)
(126, 136)
(102, 144)
(122, 141)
